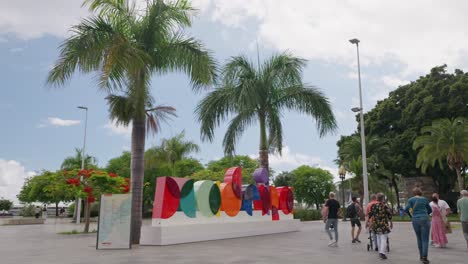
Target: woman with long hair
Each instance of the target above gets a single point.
(438, 225)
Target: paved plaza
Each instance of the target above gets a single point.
(41, 244)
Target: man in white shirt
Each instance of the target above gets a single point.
(444, 210)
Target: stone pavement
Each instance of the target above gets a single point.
(41, 244)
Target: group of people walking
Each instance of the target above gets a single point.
(378, 217)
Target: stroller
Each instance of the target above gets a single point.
(373, 244)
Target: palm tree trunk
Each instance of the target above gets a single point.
(263, 143)
(137, 174)
(86, 215)
(460, 182)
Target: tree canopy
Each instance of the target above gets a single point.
(311, 185)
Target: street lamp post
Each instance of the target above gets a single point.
(363, 137)
(83, 156)
(342, 173)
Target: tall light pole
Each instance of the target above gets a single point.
(363, 136)
(83, 156)
(342, 173)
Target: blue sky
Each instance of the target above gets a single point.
(41, 125)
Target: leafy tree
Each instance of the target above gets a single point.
(74, 162)
(120, 165)
(47, 187)
(93, 184)
(444, 139)
(176, 148)
(399, 118)
(187, 167)
(283, 179)
(5, 204)
(207, 174)
(311, 185)
(261, 95)
(125, 46)
(248, 166)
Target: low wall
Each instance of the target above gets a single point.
(22, 221)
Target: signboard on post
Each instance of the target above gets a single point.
(114, 222)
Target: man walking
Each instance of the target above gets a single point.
(381, 223)
(332, 207)
(354, 212)
(462, 206)
(369, 220)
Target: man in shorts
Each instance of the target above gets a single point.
(353, 212)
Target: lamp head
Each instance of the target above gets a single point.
(354, 41)
(83, 107)
(356, 109)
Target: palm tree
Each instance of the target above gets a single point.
(176, 148)
(444, 139)
(74, 162)
(261, 95)
(126, 47)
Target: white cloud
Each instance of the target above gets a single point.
(58, 122)
(117, 129)
(417, 34)
(12, 176)
(393, 81)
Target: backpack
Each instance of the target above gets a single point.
(351, 211)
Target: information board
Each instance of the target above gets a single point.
(114, 222)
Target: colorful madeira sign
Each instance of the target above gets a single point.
(211, 198)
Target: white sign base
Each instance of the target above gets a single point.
(186, 230)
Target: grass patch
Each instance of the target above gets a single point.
(76, 232)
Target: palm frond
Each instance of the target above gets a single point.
(283, 70)
(156, 115)
(275, 137)
(236, 127)
(189, 56)
(121, 109)
(311, 101)
(214, 108)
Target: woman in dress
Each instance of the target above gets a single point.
(438, 225)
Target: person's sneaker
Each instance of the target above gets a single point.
(376, 249)
(424, 260)
(353, 241)
(331, 244)
(357, 240)
(382, 256)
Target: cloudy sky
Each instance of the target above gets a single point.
(400, 40)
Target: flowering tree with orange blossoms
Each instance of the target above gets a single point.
(93, 184)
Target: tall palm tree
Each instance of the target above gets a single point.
(261, 95)
(74, 162)
(444, 139)
(126, 46)
(176, 148)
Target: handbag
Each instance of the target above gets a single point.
(448, 227)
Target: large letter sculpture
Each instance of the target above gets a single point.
(207, 198)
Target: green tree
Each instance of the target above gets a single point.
(120, 165)
(176, 148)
(446, 140)
(5, 204)
(262, 95)
(126, 46)
(187, 166)
(247, 163)
(311, 185)
(285, 178)
(399, 118)
(74, 162)
(47, 187)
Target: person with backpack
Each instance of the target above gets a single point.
(353, 212)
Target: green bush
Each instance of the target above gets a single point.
(307, 214)
(27, 210)
(94, 210)
(71, 210)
